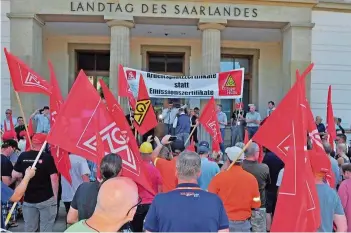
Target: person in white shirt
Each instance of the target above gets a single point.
(168, 116)
(79, 173)
(6, 124)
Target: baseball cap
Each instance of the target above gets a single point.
(205, 144)
(203, 148)
(39, 138)
(145, 148)
(232, 153)
(10, 143)
(177, 145)
(8, 135)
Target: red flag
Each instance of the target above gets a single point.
(75, 129)
(246, 137)
(144, 114)
(30, 133)
(191, 147)
(297, 206)
(330, 119)
(117, 114)
(100, 153)
(209, 121)
(61, 157)
(25, 79)
(124, 88)
(278, 142)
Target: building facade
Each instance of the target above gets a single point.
(270, 39)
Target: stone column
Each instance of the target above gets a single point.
(296, 53)
(119, 53)
(211, 58)
(27, 44)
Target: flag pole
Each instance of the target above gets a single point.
(191, 133)
(33, 166)
(24, 117)
(241, 152)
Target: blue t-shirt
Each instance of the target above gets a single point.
(208, 170)
(186, 209)
(6, 194)
(330, 204)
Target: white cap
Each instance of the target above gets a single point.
(233, 152)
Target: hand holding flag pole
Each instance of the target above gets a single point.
(191, 133)
(33, 166)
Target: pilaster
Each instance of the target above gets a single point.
(27, 43)
(119, 53)
(297, 47)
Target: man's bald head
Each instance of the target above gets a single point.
(116, 197)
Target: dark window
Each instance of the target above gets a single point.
(93, 60)
(166, 62)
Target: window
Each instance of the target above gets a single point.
(166, 63)
(230, 62)
(96, 65)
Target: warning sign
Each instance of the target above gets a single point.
(231, 83)
(141, 108)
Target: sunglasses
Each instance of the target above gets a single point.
(139, 202)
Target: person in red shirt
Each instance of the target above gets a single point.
(155, 180)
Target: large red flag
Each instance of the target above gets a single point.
(297, 206)
(330, 119)
(124, 88)
(209, 121)
(75, 129)
(25, 79)
(278, 142)
(61, 157)
(144, 114)
(116, 113)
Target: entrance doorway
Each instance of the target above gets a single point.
(169, 63)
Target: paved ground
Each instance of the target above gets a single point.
(60, 224)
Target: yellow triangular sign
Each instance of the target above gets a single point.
(230, 82)
(141, 108)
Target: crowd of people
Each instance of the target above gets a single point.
(193, 191)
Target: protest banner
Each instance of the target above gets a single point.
(223, 85)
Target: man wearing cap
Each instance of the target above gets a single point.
(253, 120)
(208, 168)
(7, 149)
(42, 120)
(154, 178)
(331, 209)
(167, 168)
(238, 190)
(40, 199)
(168, 116)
